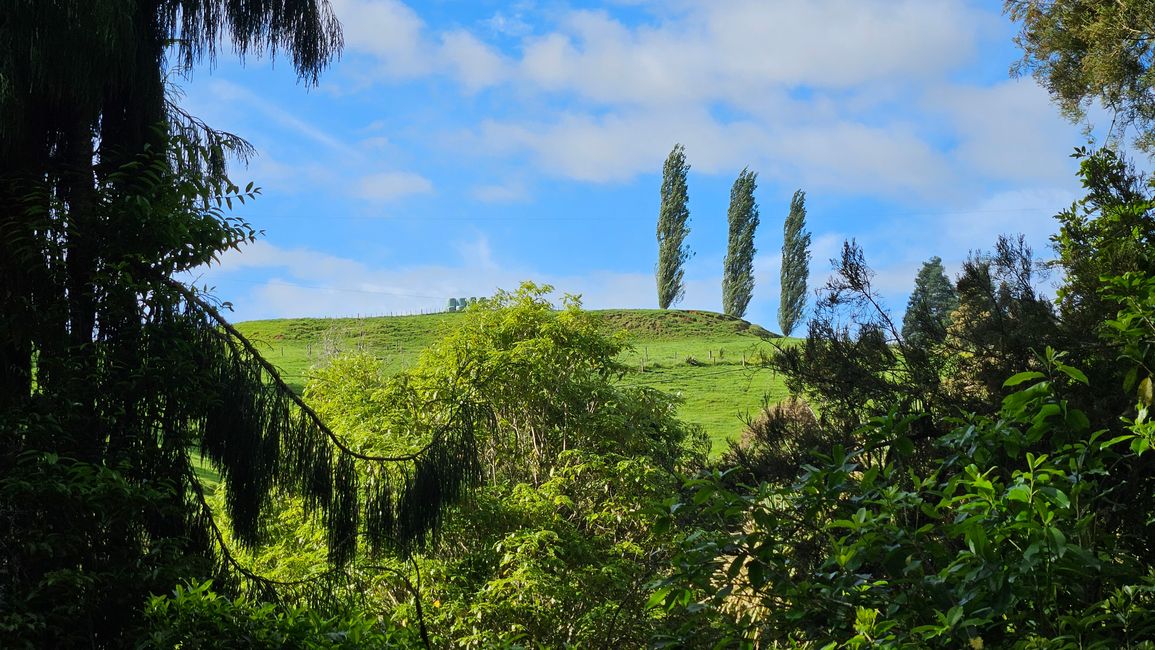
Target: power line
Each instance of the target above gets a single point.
(341, 289)
(523, 218)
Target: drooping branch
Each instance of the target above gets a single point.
(264, 438)
(234, 335)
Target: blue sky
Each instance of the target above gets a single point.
(459, 146)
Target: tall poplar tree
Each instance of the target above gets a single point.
(795, 265)
(673, 227)
(738, 267)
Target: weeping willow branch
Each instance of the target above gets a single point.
(234, 335)
(263, 438)
(230, 559)
(317, 590)
(198, 146)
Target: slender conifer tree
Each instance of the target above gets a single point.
(673, 227)
(795, 265)
(738, 267)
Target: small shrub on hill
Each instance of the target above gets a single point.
(775, 443)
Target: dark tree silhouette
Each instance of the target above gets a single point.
(113, 375)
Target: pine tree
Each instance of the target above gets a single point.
(738, 267)
(795, 265)
(673, 220)
(930, 305)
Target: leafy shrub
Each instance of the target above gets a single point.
(1000, 544)
(53, 593)
(776, 444)
(563, 564)
(195, 618)
(556, 545)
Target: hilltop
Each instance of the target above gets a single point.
(711, 360)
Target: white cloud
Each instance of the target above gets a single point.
(719, 51)
(618, 146)
(229, 92)
(388, 186)
(390, 31)
(401, 45)
(263, 255)
(846, 156)
(476, 253)
(511, 192)
(1009, 132)
(844, 95)
(839, 43)
(511, 24)
(302, 282)
(599, 59)
(715, 51)
(474, 64)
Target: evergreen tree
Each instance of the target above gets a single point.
(930, 305)
(738, 267)
(795, 265)
(673, 220)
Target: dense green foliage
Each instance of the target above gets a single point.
(108, 370)
(673, 228)
(931, 303)
(989, 541)
(712, 361)
(738, 266)
(195, 617)
(984, 477)
(558, 544)
(565, 563)
(1025, 522)
(1087, 50)
(795, 270)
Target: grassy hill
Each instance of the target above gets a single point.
(711, 360)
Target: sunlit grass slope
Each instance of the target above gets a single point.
(711, 360)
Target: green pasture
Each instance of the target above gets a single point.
(714, 362)
(295, 345)
(205, 472)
